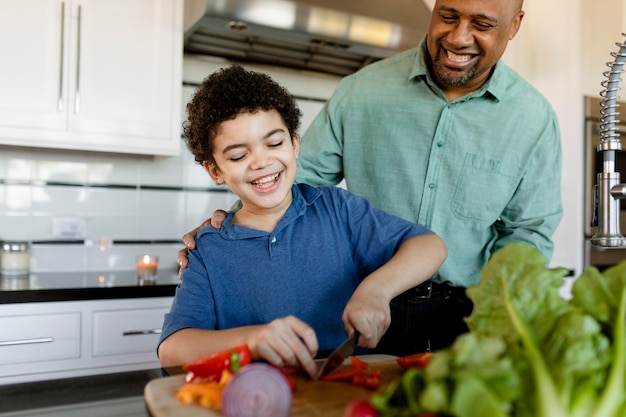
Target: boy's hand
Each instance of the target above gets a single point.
(189, 239)
(287, 341)
(368, 313)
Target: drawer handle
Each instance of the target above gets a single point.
(27, 341)
(139, 332)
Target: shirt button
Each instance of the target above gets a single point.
(431, 186)
(274, 239)
(440, 144)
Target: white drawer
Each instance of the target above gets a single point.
(127, 331)
(33, 338)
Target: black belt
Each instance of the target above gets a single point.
(429, 289)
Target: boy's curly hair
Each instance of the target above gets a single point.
(227, 93)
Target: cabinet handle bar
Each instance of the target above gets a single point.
(139, 332)
(61, 98)
(77, 94)
(27, 341)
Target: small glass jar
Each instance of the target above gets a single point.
(14, 258)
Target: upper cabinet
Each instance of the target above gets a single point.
(91, 74)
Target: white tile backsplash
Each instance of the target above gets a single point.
(117, 198)
(162, 171)
(57, 258)
(18, 165)
(16, 226)
(116, 227)
(17, 199)
(34, 226)
(111, 202)
(201, 205)
(117, 169)
(164, 203)
(60, 171)
(162, 227)
(91, 256)
(127, 199)
(53, 200)
(194, 174)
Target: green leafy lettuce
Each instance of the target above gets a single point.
(530, 352)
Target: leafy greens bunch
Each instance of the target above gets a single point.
(530, 352)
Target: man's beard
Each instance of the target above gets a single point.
(455, 78)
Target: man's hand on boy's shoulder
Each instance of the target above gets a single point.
(189, 239)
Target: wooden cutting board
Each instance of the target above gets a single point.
(311, 399)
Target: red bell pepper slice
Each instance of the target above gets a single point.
(211, 367)
(357, 374)
(419, 360)
(367, 379)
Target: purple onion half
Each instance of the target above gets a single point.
(257, 390)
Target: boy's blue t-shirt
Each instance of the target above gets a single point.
(308, 267)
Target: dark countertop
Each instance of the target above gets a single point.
(83, 285)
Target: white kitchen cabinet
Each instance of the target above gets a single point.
(91, 74)
(63, 339)
(127, 331)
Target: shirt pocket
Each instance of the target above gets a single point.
(484, 188)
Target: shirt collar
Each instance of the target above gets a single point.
(303, 196)
(494, 87)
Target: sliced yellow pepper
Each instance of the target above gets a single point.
(204, 393)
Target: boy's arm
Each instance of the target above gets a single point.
(284, 341)
(367, 311)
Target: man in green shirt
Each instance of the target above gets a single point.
(445, 135)
(448, 136)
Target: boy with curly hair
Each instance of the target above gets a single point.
(296, 268)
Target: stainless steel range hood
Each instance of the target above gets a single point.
(336, 37)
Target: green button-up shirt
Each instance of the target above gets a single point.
(481, 171)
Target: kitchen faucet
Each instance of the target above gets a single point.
(608, 191)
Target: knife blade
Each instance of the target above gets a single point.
(339, 355)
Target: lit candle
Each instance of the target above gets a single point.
(147, 267)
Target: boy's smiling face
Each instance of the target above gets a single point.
(256, 157)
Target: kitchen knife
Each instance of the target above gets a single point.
(339, 355)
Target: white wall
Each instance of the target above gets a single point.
(602, 25)
(548, 53)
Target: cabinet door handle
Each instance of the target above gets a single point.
(77, 93)
(61, 98)
(27, 341)
(139, 332)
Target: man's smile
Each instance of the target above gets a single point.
(458, 58)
